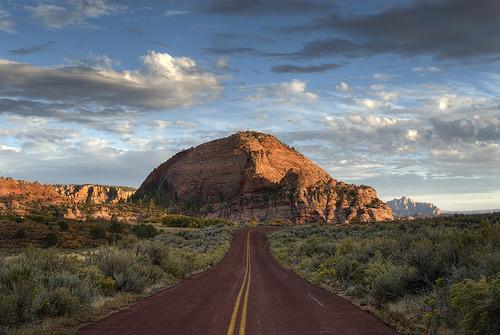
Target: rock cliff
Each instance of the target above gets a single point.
(251, 175)
(94, 194)
(406, 207)
(21, 197)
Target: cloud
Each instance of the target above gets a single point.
(426, 69)
(49, 152)
(234, 51)
(6, 23)
(163, 82)
(478, 129)
(343, 87)
(289, 68)
(265, 7)
(72, 12)
(172, 12)
(291, 92)
(411, 135)
(445, 29)
(135, 31)
(222, 63)
(32, 49)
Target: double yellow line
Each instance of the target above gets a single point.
(245, 286)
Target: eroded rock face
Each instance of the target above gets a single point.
(252, 175)
(406, 207)
(21, 197)
(95, 194)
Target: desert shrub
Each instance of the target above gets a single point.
(44, 283)
(144, 230)
(436, 264)
(185, 221)
(117, 227)
(123, 266)
(60, 302)
(80, 289)
(44, 218)
(63, 225)
(478, 302)
(178, 220)
(388, 281)
(19, 234)
(50, 240)
(97, 232)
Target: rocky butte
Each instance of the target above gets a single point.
(21, 197)
(251, 175)
(406, 207)
(95, 194)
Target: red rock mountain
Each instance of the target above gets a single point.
(21, 197)
(251, 175)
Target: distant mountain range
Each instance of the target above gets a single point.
(405, 207)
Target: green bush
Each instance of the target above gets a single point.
(178, 220)
(436, 264)
(123, 266)
(388, 281)
(478, 302)
(184, 221)
(44, 283)
(144, 230)
(63, 225)
(61, 302)
(97, 232)
(117, 227)
(19, 234)
(50, 240)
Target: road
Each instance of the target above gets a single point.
(246, 293)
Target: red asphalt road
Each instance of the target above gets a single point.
(273, 301)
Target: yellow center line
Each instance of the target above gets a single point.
(243, 322)
(244, 286)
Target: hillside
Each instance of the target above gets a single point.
(19, 197)
(251, 175)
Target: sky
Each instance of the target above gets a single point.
(400, 95)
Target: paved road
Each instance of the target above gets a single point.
(247, 293)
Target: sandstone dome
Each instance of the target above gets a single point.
(251, 175)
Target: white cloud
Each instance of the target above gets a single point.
(343, 87)
(369, 103)
(9, 148)
(373, 121)
(6, 23)
(387, 96)
(291, 92)
(170, 13)
(426, 69)
(382, 76)
(222, 63)
(455, 101)
(412, 135)
(163, 82)
(377, 87)
(76, 12)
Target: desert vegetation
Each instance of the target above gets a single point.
(49, 291)
(427, 276)
(185, 221)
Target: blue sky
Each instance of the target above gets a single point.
(399, 95)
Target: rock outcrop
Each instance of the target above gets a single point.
(21, 197)
(95, 194)
(251, 175)
(406, 207)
